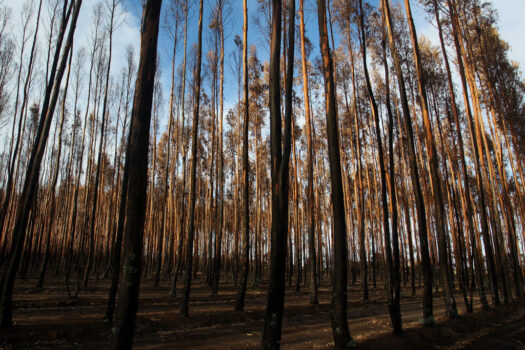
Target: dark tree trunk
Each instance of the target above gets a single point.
(467, 210)
(52, 210)
(138, 178)
(448, 283)
(117, 247)
(182, 217)
(30, 187)
(339, 320)
(393, 275)
(280, 159)
(8, 188)
(428, 313)
(193, 169)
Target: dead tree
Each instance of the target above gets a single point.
(131, 267)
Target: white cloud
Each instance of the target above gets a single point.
(511, 26)
(128, 33)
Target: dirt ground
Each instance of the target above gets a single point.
(47, 318)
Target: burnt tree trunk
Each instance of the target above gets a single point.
(341, 334)
(30, 187)
(138, 178)
(193, 169)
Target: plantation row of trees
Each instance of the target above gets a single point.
(372, 156)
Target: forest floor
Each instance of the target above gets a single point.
(46, 318)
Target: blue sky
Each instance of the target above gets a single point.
(510, 24)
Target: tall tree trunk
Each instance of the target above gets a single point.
(393, 276)
(138, 178)
(309, 166)
(8, 189)
(167, 186)
(341, 334)
(182, 207)
(487, 245)
(239, 305)
(117, 246)
(280, 158)
(428, 317)
(92, 223)
(30, 187)
(359, 189)
(193, 169)
(52, 218)
(220, 227)
(395, 288)
(448, 283)
(467, 209)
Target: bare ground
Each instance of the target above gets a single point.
(46, 318)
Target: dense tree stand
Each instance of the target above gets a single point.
(212, 189)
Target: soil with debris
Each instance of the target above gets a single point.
(47, 318)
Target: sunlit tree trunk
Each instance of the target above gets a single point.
(309, 166)
(467, 209)
(220, 226)
(393, 276)
(239, 305)
(193, 174)
(448, 284)
(395, 288)
(487, 245)
(182, 206)
(428, 318)
(92, 223)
